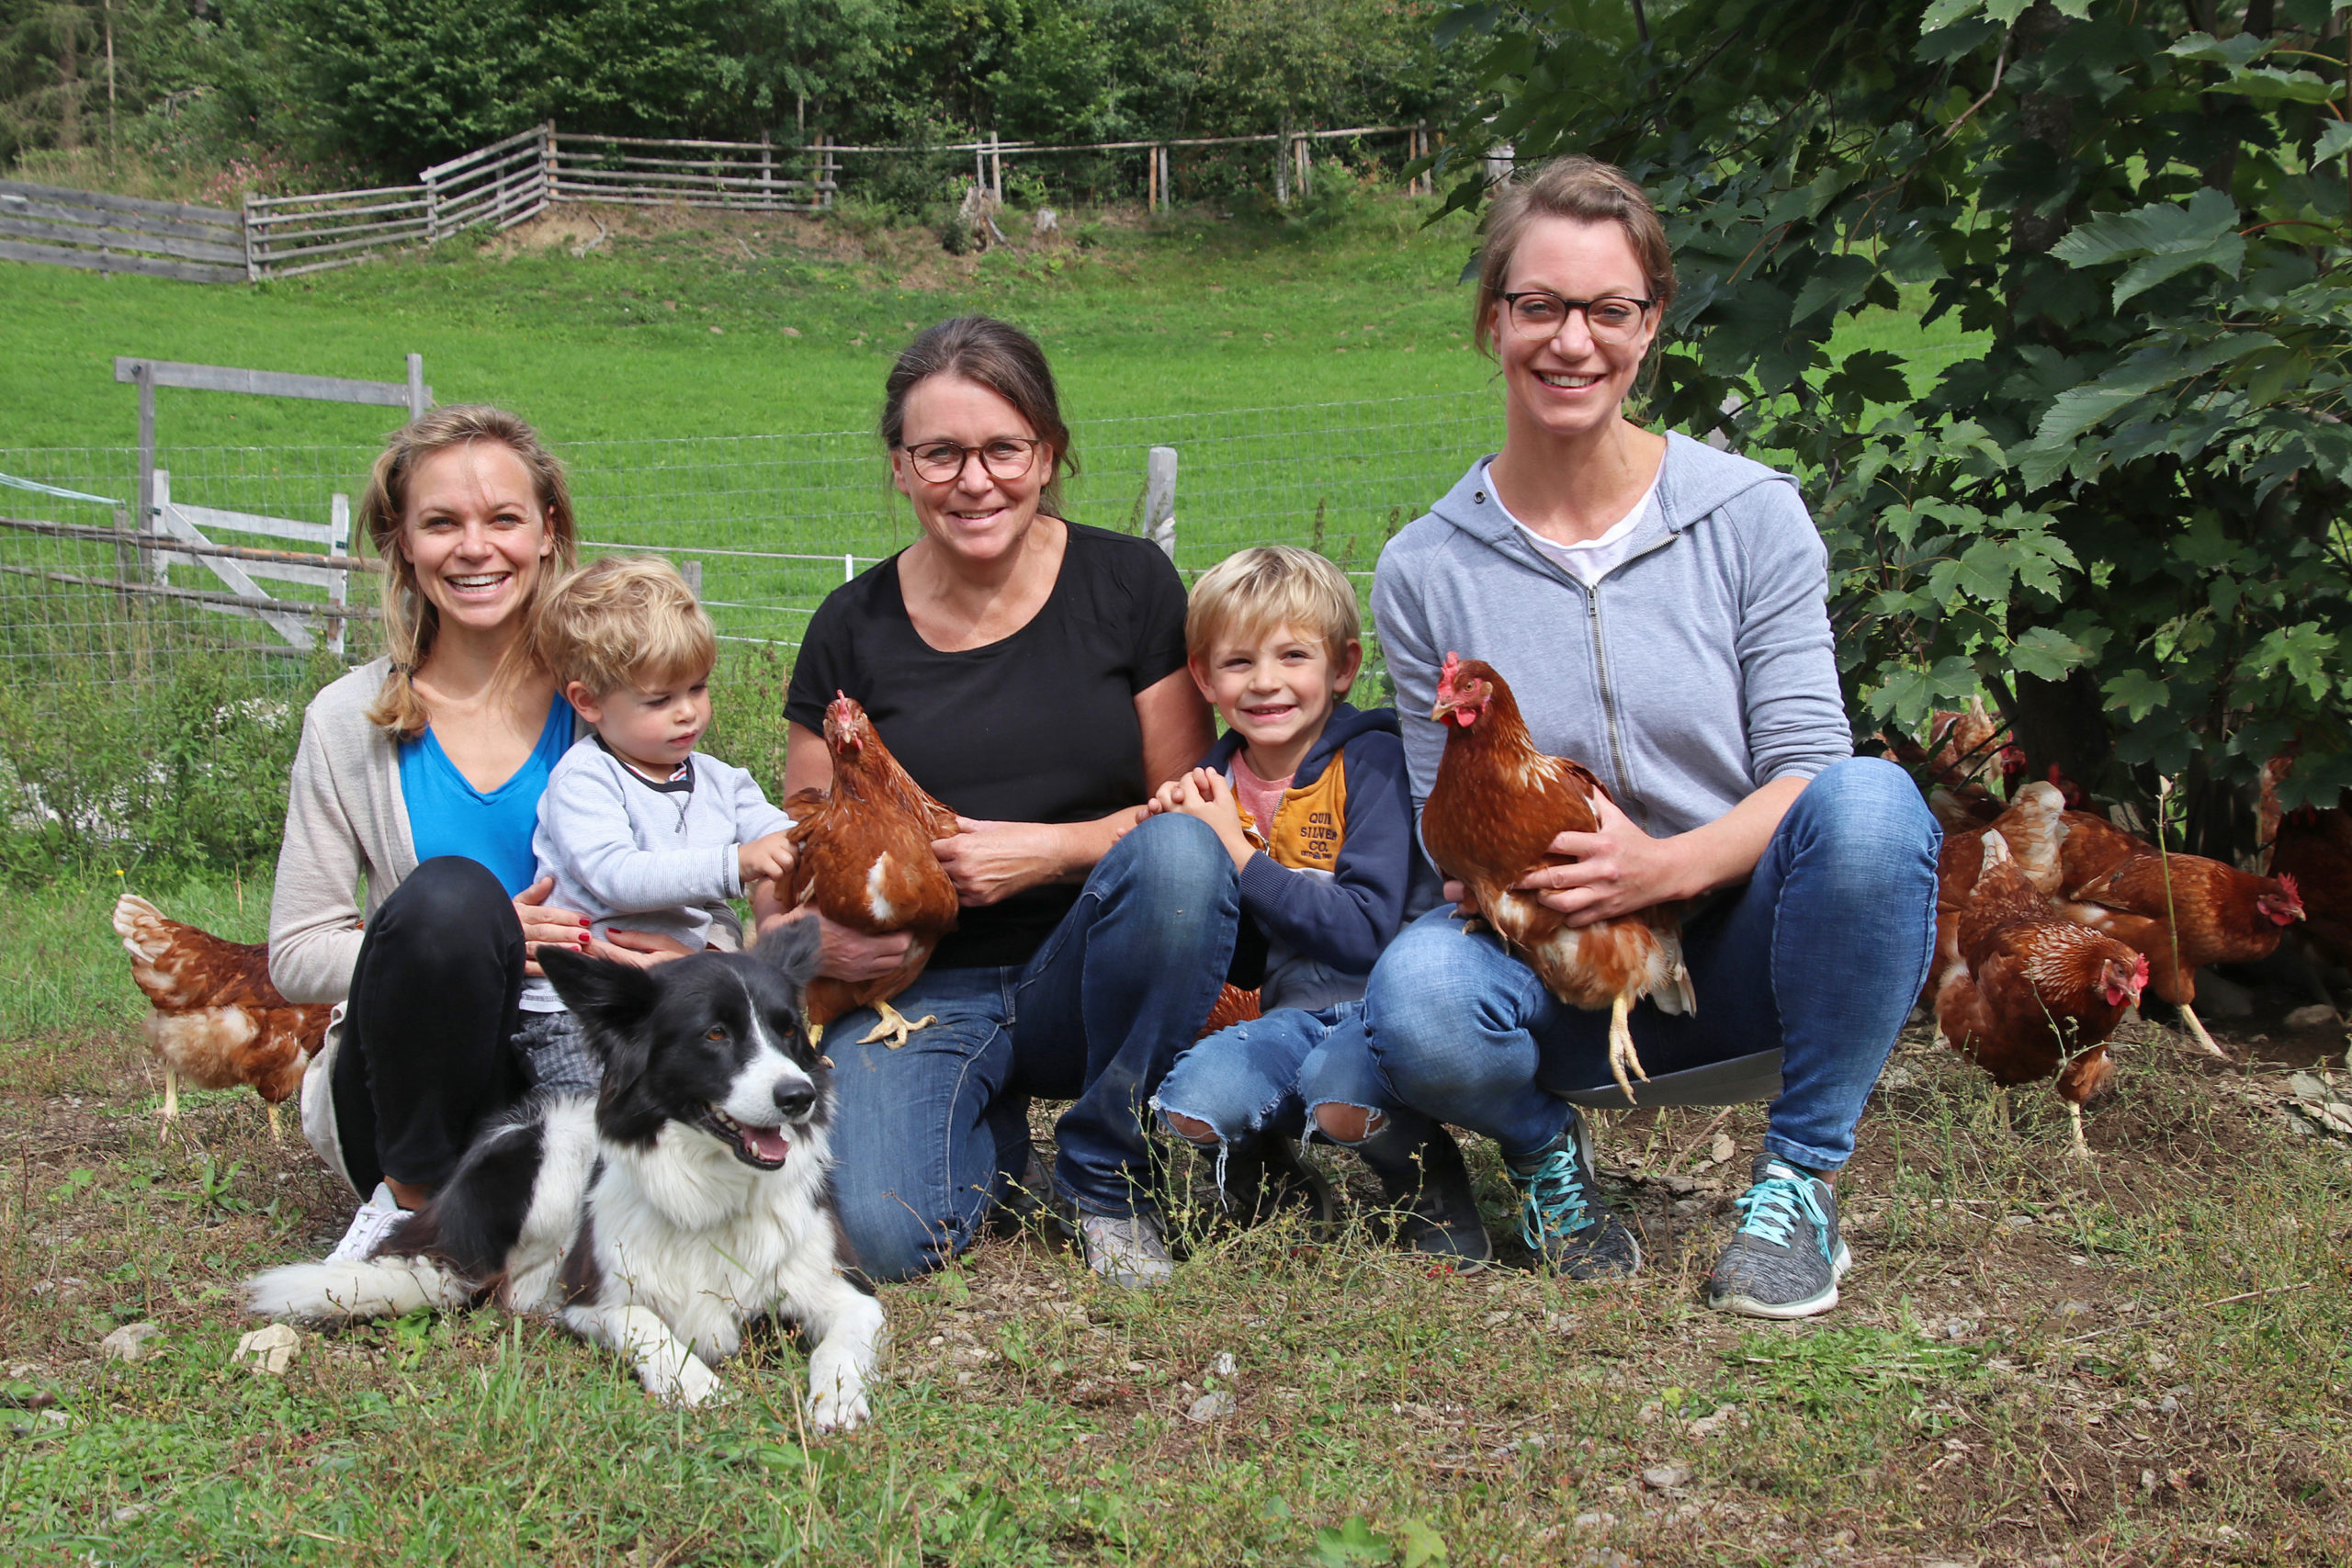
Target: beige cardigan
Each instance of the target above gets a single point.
(345, 820)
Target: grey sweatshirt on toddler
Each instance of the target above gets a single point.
(650, 857)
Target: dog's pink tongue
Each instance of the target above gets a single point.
(766, 1143)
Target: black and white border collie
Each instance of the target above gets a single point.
(660, 1217)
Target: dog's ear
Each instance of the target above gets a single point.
(612, 1002)
(608, 998)
(794, 950)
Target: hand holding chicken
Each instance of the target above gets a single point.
(862, 857)
(1493, 822)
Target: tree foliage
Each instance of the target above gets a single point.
(2124, 522)
(401, 84)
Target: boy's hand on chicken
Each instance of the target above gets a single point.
(769, 857)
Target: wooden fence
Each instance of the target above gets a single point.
(513, 181)
(504, 183)
(121, 233)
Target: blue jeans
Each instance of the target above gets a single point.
(930, 1134)
(1262, 1075)
(1820, 957)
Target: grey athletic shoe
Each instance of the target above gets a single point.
(1560, 1216)
(1785, 1258)
(1127, 1249)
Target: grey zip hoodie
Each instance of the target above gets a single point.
(1692, 675)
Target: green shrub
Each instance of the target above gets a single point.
(188, 772)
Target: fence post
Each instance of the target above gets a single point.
(159, 489)
(547, 163)
(253, 260)
(1159, 499)
(849, 567)
(416, 385)
(1167, 180)
(339, 543)
(1306, 167)
(767, 178)
(996, 168)
(1151, 180)
(692, 571)
(145, 376)
(1282, 169)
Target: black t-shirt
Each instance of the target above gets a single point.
(1038, 728)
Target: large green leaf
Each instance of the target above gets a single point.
(2162, 239)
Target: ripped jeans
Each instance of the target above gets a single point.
(1261, 1077)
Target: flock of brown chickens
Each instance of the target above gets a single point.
(2050, 921)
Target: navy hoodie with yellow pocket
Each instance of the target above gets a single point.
(1329, 892)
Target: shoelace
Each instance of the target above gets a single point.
(1769, 1211)
(1555, 1200)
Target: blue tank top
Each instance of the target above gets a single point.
(446, 816)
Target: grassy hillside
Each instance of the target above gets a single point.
(709, 324)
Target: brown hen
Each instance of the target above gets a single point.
(2033, 994)
(2312, 844)
(2185, 911)
(217, 1019)
(1490, 819)
(862, 858)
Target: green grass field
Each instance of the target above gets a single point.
(714, 380)
(2142, 1361)
(717, 324)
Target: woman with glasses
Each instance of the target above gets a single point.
(1029, 672)
(1658, 608)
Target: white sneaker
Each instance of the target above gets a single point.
(374, 1221)
(1127, 1249)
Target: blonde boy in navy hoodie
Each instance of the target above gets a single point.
(1309, 796)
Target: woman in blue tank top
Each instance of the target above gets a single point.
(420, 773)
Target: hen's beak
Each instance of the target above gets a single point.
(1444, 706)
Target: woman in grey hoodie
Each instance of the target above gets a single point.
(1659, 609)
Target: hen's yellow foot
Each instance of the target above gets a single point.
(1621, 1048)
(894, 1028)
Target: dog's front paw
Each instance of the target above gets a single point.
(693, 1386)
(840, 1408)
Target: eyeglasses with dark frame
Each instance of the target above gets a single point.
(1611, 318)
(1005, 458)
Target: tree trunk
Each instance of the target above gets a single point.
(69, 94)
(2062, 724)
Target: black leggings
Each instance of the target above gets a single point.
(428, 1045)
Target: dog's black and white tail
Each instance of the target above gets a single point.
(338, 1293)
(469, 1240)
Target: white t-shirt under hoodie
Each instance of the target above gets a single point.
(1594, 559)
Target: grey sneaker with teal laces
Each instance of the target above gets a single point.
(1560, 1215)
(1785, 1258)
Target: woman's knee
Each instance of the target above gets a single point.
(1436, 985)
(451, 904)
(893, 1237)
(1865, 803)
(1175, 860)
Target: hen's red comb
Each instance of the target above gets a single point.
(1445, 676)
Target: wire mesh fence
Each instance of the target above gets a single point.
(775, 521)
